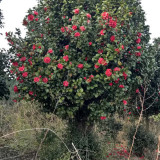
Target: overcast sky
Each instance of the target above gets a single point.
(15, 10)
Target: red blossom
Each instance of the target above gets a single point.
(138, 47)
(108, 72)
(111, 84)
(30, 92)
(15, 89)
(30, 17)
(124, 102)
(96, 66)
(90, 43)
(60, 66)
(137, 90)
(138, 54)
(139, 34)
(47, 59)
(100, 51)
(36, 13)
(25, 74)
(21, 69)
(122, 47)
(65, 83)
(124, 75)
(67, 47)
(112, 23)
(121, 86)
(15, 64)
(102, 32)
(116, 69)
(138, 40)
(74, 27)
(36, 79)
(105, 15)
(103, 117)
(66, 58)
(80, 66)
(34, 47)
(23, 59)
(62, 29)
(50, 51)
(76, 11)
(112, 38)
(77, 34)
(45, 80)
(82, 28)
(88, 15)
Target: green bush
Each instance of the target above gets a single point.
(144, 141)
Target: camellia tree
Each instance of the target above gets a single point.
(79, 59)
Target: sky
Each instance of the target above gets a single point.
(15, 10)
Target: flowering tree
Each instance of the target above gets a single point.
(79, 59)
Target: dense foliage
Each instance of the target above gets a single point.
(80, 59)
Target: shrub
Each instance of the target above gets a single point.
(144, 141)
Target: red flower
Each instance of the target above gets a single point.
(67, 47)
(101, 60)
(122, 46)
(124, 102)
(30, 17)
(66, 58)
(88, 15)
(47, 59)
(34, 47)
(76, 11)
(50, 51)
(15, 64)
(84, 78)
(36, 19)
(45, 80)
(138, 40)
(138, 54)
(21, 68)
(111, 84)
(30, 92)
(74, 27)
(139, 34)
(124, 75)
(137, 90)
(100, 51)
(112, 38)
(108, 72)
(62, 29)
(112, 23)
(65, 83)
(103, 117)
(82, 28)
(121, 86)
(60, 66)
(96, 66)
(77, 34)
(25, 74)
(36, 79)
(117, 69)
(15, 89)
(138, 47)
(80, 66)
(117, 50)
(105, 15)
(102, 32)
(36, 13)
(90, 43)
(91, 76)
(129, 113)
(23, 59)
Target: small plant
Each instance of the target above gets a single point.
(144, 141)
